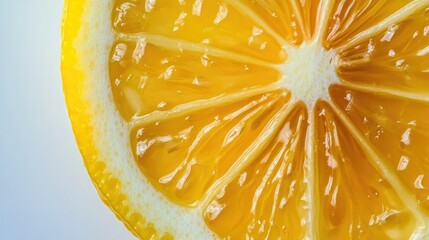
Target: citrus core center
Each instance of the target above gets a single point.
(308, 72)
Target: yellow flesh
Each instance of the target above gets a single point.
(237, 145)
(355, 200)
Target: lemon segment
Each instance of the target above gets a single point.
(212, 23)
(351, 204)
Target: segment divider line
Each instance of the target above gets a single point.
(196, 105)
(256, 19)
(323, 14)
(309, 173)
(420, 97)
(300, 20)
(396, 17)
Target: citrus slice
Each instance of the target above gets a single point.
(263, 119)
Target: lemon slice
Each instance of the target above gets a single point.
(263, 119)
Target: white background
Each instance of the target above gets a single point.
(45, 192)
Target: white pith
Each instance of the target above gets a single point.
(308, 73)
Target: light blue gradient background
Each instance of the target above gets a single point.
(45, 192)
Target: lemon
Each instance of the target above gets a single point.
(262, 119)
